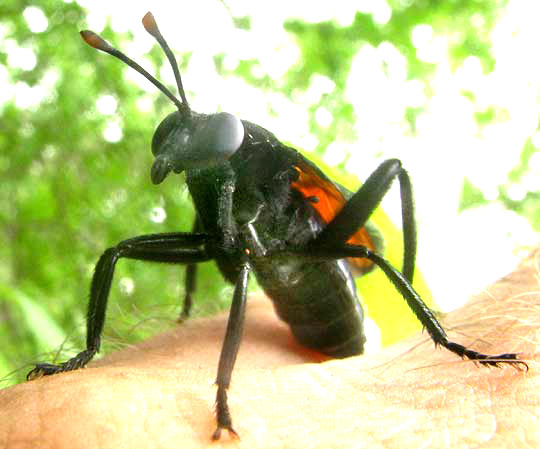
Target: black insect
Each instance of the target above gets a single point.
(264, 208)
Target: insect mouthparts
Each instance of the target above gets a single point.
(160, 169)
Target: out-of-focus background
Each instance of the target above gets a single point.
(449, 87)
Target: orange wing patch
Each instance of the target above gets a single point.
(329, 202)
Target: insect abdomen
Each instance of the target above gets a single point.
(318, 301)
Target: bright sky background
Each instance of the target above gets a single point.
(457, 253)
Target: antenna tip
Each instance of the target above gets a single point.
(149, 22)
(95, 40)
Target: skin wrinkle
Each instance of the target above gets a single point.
(254, 414)
(138, 405)
(485, 424)
(489, 411)
(40, 415)
(280, 433)
(12, 437)
(502, 414)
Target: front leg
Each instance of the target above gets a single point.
(181, 248)
(225, 211)
(229, 351)
(190, 282)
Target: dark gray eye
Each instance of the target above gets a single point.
(219, 137)
(163, 130)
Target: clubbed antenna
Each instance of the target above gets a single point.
(150, 25)
(96, 41)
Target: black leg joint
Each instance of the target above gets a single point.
(47, 369)
(223, 415)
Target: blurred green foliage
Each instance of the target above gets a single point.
(67, 193)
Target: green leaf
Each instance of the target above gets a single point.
(46, 332)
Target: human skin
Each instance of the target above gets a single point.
(159, 393)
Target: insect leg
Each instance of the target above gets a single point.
(190, 287)
(190, 280)
(229, 351)
(170, 248)
(414, 301)
(362, 204)
(225, 206)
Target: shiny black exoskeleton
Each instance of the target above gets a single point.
(263, 208)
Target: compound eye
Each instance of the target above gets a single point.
(219, 137)
(162, 132)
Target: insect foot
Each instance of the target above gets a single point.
(47, 369)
